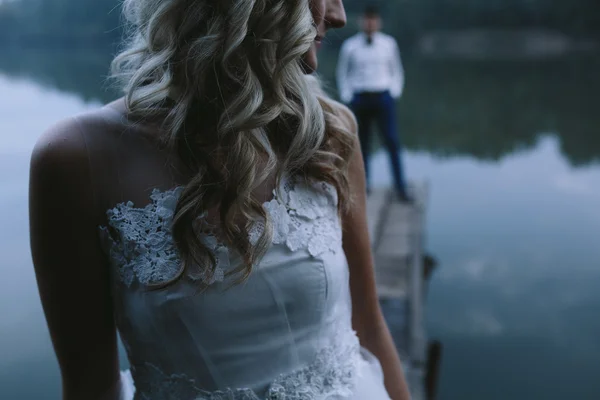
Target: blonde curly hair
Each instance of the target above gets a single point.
(226, 78)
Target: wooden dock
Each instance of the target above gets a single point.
(398, 233)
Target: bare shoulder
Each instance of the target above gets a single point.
(61, 161)
(59, 178)
(71, 270)
(61, 147)
(67, 142)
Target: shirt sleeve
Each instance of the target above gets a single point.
(397, 84)
(343, 65)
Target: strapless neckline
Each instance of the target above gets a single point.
(303, 216)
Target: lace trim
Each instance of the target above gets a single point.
(333, 373)
(140, 245)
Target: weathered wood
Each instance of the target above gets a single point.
(397, 236)
(376, 204)
(396, 229)
(417, 330)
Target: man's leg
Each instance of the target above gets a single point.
(362, 110)
(388, 128)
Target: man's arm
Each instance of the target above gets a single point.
(343, 66)
(397, 71)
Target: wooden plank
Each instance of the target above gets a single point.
(392, 277)
(395, 311)
(398, 246)
(416, 378)
(376, 202)
(397, 236)
(417, 329)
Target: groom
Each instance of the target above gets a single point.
(370, 79)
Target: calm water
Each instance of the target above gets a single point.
(512, 152)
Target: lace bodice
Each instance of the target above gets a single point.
(304, 217)
(285, 333)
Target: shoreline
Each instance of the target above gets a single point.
(502, 44)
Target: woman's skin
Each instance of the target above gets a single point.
(73, 273)
(367, 317)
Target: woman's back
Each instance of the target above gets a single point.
(286, 330)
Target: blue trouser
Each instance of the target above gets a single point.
(379, 107)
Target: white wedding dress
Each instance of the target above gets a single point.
(285, 333)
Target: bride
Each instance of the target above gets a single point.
(214, 217)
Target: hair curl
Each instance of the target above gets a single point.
(226, 78)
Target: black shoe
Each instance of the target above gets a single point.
(403, 197)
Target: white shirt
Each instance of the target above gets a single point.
(369, 68)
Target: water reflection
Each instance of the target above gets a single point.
(82, 73)
(490, 109)
(484, 109)
(515, 301)
(511, 152)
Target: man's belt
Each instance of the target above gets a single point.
(371, 94)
